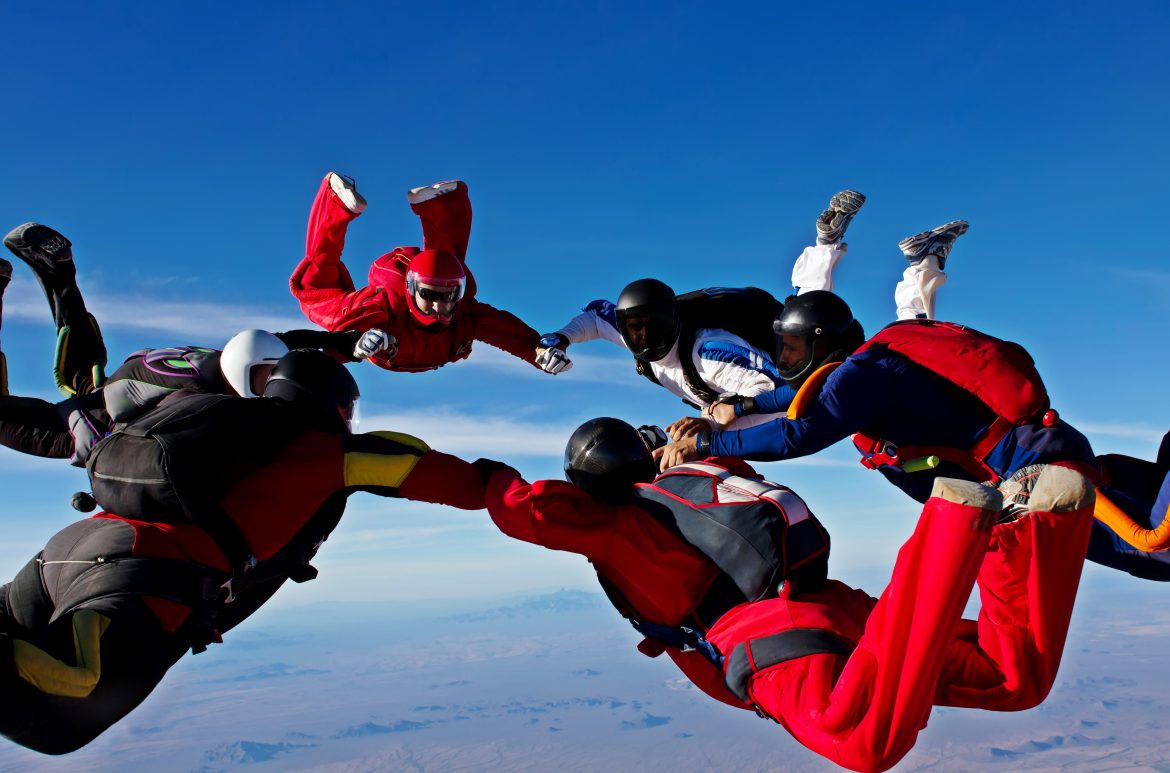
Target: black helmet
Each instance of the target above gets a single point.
(828, 328)
(318, 385)
(606, 457)
(647, 308)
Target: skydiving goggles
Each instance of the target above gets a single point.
(439, 294)
(653, 437)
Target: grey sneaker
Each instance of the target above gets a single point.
(1044, 488)
(936, 241)
(48, 253)
(428, 192)
(345, 189)
(833, 221)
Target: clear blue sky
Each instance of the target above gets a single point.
(180, 149)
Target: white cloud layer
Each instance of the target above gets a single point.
(190, 320)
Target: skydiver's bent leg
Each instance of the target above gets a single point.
(445, 211)
(1027, 586)
(813, 269)
(66, 684)
(1107, 548)
(1132, 532)
(321, 282)
(927, 252)
(65, 681)
(80, 357)
(864, 711)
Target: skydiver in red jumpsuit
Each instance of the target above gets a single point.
(419, 305)
(851, 677)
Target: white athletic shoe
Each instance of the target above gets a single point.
(831, 223)
(936, 241)
(346, 190)
(428, 192)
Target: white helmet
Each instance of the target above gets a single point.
(246, 351)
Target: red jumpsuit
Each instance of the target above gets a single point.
(862, 710)
(326, 292)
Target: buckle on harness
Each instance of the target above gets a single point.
(881, 453)
(229, 586)
(695, 640)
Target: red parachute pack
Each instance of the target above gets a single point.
(1000, 374)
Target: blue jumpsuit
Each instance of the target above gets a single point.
(886, 395)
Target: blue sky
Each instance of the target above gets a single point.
(180, 149)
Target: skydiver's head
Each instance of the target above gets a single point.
(318, 386)
(647, 319)
(435, 282)
(815, 328)
(247, 361)
(606, 457)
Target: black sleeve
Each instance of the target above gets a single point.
(340, 343)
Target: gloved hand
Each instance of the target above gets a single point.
(550, 354)
(374, 341)
(487, 467)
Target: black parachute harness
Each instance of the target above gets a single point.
(747, 312)
(207, 591)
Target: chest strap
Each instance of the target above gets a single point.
(754, 655)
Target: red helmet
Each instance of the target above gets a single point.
(435, 281)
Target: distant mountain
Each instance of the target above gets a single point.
(563, 602)
(373, 728)
(246, 752)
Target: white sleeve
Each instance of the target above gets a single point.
(597, 320)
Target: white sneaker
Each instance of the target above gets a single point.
(428, 192)
(833, 221)
(346, 190)
(936, 241)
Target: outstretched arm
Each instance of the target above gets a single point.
(395, 464)
(552, 513)
(506, 331)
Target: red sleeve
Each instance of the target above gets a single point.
(551, 513)
(506, 331)
(445, 480)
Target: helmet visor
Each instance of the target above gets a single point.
(436, 297)
(648, 336)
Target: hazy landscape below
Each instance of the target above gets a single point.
(553, 682)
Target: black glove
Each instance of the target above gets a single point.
(487, 467)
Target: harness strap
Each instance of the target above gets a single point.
(226, 534)
(293, 564)
(753, 655)
(722, 596)
(877, 452)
